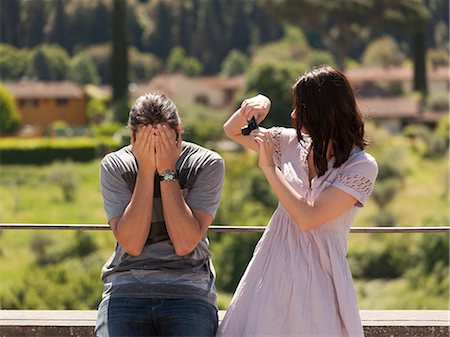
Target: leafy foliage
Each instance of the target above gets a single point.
(236, 63)
(9, 114)
(384, 52)
(179, 62)
(275, 80)
(49, 63)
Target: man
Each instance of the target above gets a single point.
(160, 195)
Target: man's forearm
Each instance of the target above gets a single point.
(183, 228)
(134, 225)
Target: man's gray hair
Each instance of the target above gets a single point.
(153, 108)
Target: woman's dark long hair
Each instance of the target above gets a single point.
(324, 106)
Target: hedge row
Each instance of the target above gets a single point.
(46, 150)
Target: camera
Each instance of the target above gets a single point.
(252, 125)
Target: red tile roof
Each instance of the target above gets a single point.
(37, 89)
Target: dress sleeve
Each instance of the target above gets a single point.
(358, 177)
(276, 133)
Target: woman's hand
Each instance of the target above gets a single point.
(168, 148)
(264, 140)
(143, 145)
(257, 106)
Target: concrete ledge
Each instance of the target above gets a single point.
(80, 323)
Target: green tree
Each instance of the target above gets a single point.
(13, 62)
(208, 42)
(236, 63)
(101, 56)
(49, 63)
(64, 176)
(57, 26)
(119, 58)
(179, 62)
(341, 23)
(33, 23)
(10, 22)
(101, 15)
(274, 80)
(82, 69)
(143, 66)
(160, 40)
(9, 114)
(383, 52)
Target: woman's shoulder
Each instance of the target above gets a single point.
(360, 160)
(287, 134)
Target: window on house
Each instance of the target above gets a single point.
(62, 101)
(33, 102)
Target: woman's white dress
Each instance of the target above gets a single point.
(299, 283)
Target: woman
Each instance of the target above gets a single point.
(298, 282)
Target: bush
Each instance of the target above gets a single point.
(201, 124)
(143, 66)
(13, 62)
(179, 62)
(318, 57)
(49, 63)
(9, 114)
(77, 279)
(438, 102)
(383, 52)
(96, 110)
(383, 257)
(46, 150)
(236, 63)
(83, 70)
(100, 56)
(274, 80)
(63, 175)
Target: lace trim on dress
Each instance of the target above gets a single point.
(276, 136)
(358, 183)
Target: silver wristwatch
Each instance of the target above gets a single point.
(168, 176)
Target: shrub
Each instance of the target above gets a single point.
(439, 102)
(46, 150)
(13, 62)
(9, 114)
(383, 52)
(274, 80)
(63, 175)
(143, 66)
(49, 63)
(83, 70)
(235, 63)
(318, 57)
(179, 62)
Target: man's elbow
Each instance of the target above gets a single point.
(133, 249)
(183, 251)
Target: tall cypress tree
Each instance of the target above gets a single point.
(57, 32)
(33, 25)
(161, 39)
(119, 59)
(419, 54)
(10, 22)
(100, 19)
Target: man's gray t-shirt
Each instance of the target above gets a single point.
(159, 272)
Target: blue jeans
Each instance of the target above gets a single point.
(123, 317)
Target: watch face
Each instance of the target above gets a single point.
(168, 176)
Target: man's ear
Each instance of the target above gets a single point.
(179, 131)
